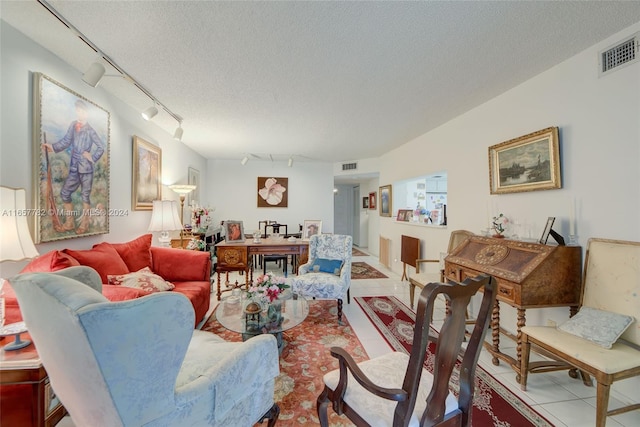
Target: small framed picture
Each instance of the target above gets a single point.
(233, 231)
(310, 228)
(404, 215)
(365, 203)
(547, 230)
(372, 200)
(385, 200)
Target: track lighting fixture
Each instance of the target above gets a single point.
(177, 135)
(94, 74)
(150, 112)
(290, 162)
(244, 160)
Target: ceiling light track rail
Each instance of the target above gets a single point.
(108, 59)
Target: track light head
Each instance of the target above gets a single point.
(290, 162)
(244, 160)
(150, 113)
(94, 74)
(178, 133)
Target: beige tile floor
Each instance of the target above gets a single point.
(564, 401)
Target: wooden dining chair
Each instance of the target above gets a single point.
(396, 389)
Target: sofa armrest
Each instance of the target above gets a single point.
(180, 265)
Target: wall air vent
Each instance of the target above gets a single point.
(623, 53)
(349, 166)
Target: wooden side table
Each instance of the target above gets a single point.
(26, 398)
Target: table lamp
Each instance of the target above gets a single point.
(164, 218)
(16, 245)
(182, 190)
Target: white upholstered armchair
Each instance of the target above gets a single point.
(327, 274)
(140, 362)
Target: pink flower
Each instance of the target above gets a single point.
(272, 192)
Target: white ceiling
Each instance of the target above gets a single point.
(329, 81)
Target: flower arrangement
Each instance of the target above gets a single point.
(197, 245)
(268, 286)
(200, 217)
(499, 224)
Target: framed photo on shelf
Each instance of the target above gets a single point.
(547, 230)
(385, 200)
(404, 215)
(372, 200)
(527, 163)
(71, 182)
(147, 170)
(310, 228)
(233, 231)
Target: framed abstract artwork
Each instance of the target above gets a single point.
(528, 163)
(272, 192)
(71, 163)
(385, 200)
(146, 175)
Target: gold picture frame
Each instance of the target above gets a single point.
(528, 163)
(71, 144)
(385, 197)
(146, 175)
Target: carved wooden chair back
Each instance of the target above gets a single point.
(442, 408)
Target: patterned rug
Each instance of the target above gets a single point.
(304, 360)
(362, 270)
(493, 403)
(357, 252)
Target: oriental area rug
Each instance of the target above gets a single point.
(362, 270)
(357, 252)
(304, 360)
(493, 403)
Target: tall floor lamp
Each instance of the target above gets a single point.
(182, 190)
(16, 245)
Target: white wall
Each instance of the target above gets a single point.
(233, 190)
(20, 58)
(599, 123)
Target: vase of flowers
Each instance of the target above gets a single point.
(499, 225)
(200, 219)
(269, 289)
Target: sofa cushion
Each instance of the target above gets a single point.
(136, 253)
(103, 258)
(143, 279)
(179, 265)
(49, 262)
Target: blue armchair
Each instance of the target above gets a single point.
(327, 274)
(140, 362)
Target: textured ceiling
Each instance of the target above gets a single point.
(330, 81)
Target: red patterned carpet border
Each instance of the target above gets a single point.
(362, 270)
(493, 403)
(304, 361)
(357, 252)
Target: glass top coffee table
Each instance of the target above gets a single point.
(231, 314)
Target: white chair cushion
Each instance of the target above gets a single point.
(424, 278)
(386, 371)
(618, 358)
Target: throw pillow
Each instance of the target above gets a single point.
(323, 265)
(144, 279)
(599, 326)
(103, 258)
(51, 261)
(136, 253)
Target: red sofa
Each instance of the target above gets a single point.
(188, 271)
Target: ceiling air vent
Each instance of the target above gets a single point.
(623, 53)
(349, 166)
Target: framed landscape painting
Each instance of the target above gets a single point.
(528, 163)
(147, 173)
(71, 163)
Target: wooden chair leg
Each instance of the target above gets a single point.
(322, 406)
(602, 403)
(412, 291)
(524, 362)
(348, 296)
(272, 415)
(340, 311)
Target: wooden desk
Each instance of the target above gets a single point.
(237, 256)
(528, 275)
(26, 398)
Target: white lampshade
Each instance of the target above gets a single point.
(150, 113)
(94, 74)
(182, 188)
(16, 243)
(164, 218)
